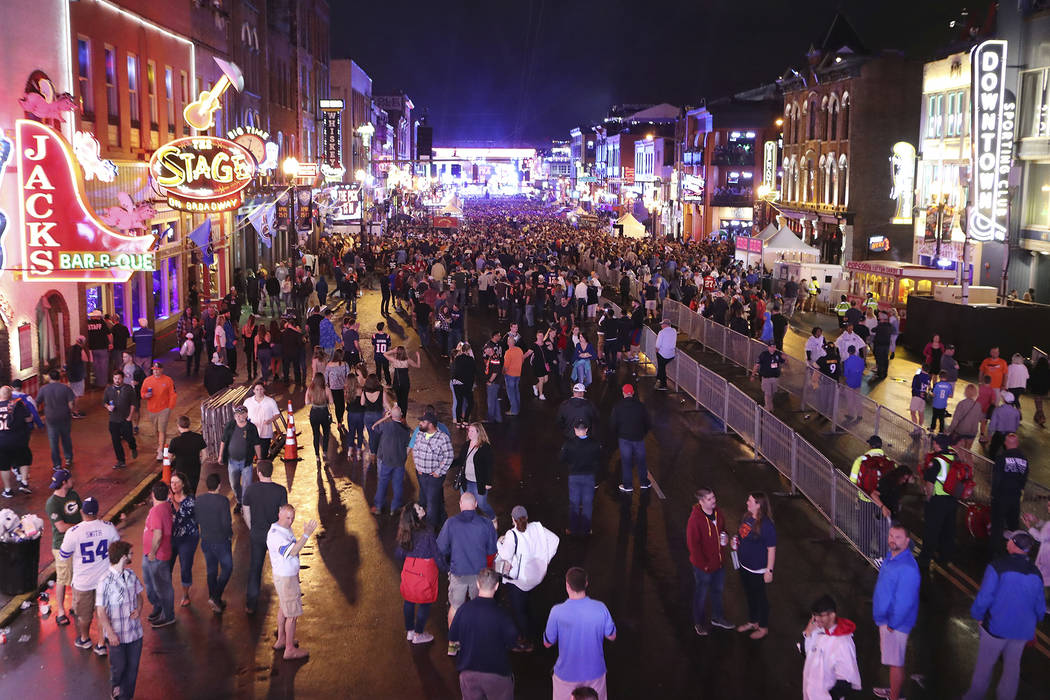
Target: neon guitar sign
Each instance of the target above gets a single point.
(200, 114)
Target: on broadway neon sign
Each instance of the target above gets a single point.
(62, 239)
(203, 173)
(994, 110)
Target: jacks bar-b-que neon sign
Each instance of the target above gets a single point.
(62, 239)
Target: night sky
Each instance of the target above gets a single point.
(525, 71)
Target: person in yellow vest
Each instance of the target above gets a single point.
(814, 290)
(841, 308)
(939, 536)
(872, 302)
(865, 474)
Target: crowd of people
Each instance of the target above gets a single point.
(533, 279)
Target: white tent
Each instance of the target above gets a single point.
(785, 245)
(768, 232)
(628, 227)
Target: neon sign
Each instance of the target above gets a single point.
(993, 114)
(902, 174)
(5, 155)
(63, 240)
(769, 164)
(202, 173)
(200, 114)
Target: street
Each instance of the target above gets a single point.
(636, 559)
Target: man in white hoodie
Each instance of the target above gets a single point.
(831, 656)
(527, 548)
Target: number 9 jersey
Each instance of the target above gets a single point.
(87, 544)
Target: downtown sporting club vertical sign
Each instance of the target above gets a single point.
(993, 112)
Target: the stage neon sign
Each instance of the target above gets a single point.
(62, 238)
(202, 173)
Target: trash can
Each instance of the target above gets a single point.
(19, 566)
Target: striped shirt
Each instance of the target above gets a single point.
(118, 593)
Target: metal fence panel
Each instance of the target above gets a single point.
(776, 442)
(859, 520)
(216, 412)
(712, 392)
(813, 475)
(737, 348)
(741, 414)
(685, 373)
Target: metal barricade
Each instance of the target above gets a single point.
(740, 413)
(738, 349)
(903, 441)
(217, 411)
(814, 476)
(713, 390)
(859, 520)
(685, 374)
(776, 443)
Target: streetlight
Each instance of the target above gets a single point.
(290, 167)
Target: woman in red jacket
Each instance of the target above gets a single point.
(706, 537)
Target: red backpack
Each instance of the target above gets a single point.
(419, 580)
(959, 483)
(873, 468)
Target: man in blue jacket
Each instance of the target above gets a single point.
(466, 541)
(1009, 606)
(895, 606)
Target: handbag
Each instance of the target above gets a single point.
(459, 483)
(509, 569)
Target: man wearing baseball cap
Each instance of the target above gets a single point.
(629, 424)
(86, 544)
(1008, 607)
(159, 392)
(63, 510)
(574, 408)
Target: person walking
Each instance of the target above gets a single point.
(768, 367)
(336, 373)
(995, 368)
(582, 454)
(895, 606)
(157, 552)
(121, 402)
(143, 341)
(579, 627)
(513, 359)
(830, 670)
(485, 634)
(1008, 607)
(59, 404)
(63, 510)
(706, 539)
(464, 371)
(188, 450)
(467, 542)
(493, 366)
(212, 513)
(240, 446)
(185, 534)
(1009, 476)
(666, 344)
(15, 456)
(159, 392)
(318, 397)
(757, 539)
(118, 604)
(941, 392)
(432, 454)
(476, 458)
(420, 560)
(87, 544)
(391, 454)
(248, 333)
(263, 412)
(77, 359)
(284, 548)
(263, 501)
(966, 419)
(524, 553)
(629, 424)
(1006, 419)
(99, 343)
(380, 346)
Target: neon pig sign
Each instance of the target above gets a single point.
(203, 173)
(63, 240)
(993, 114)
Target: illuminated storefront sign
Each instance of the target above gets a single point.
(769, 164)
(62, 238)
(307, 171)
(202, 173)
(6, 147)
(332, 139)
(993, 113)
(878, 244)
(902, 174)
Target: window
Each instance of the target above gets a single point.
(112, 104)
(934, 115)
(158, 292)
(845, 116)
(843, 182)
(118, 303)
(1035, 103)
(173, 286)
(93, 298)
(133, 88)
(812, 133)
(185, 94)
(151, 88)
(168, 97)
(137, 293)
(87, 99)
(833, 121)
(1037, 196)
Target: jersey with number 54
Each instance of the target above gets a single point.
(87, 544)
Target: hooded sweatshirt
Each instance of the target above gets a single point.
(896, 599)
(702, 537)
(831, 656)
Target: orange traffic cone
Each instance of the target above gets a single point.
(291, 445)
(165, 474)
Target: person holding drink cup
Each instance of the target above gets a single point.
(706, 538)
(159, 392)
(119, 399)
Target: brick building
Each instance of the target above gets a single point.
(842, 116)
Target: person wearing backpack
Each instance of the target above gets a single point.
(867, 470)
(417, 550)
(939, 516)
